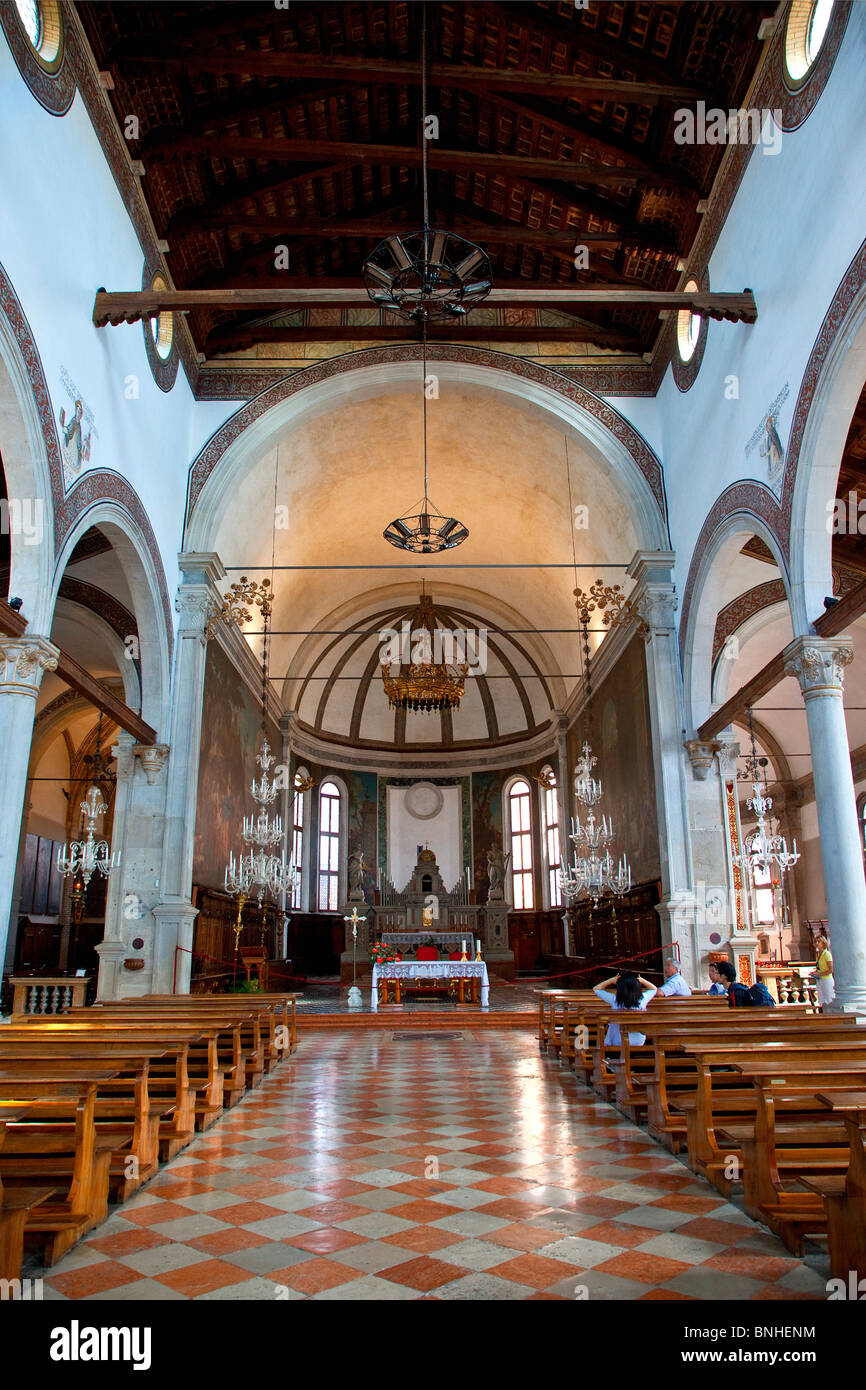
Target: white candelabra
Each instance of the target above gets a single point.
(592, 870)
(762, 850)
(88, 856)
(258, 870)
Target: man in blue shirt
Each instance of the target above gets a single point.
(674, 982)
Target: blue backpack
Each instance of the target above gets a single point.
(750, 997)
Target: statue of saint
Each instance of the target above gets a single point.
(356, 876)
(496, 865)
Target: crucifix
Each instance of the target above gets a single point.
(354, 992)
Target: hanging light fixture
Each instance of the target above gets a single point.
(424, 531)
(429, 274)
(425, 686)
(81, 859)
(762, 849)
(259, 869)
(592, 871)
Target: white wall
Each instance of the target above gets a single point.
(795, 225)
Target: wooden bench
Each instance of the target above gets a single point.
(844, 1198)
(16, 1205)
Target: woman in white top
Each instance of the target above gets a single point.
(628, 995)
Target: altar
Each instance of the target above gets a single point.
(468, 978)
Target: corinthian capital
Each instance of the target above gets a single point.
(196, 608)
(818, 663)
(23, 661)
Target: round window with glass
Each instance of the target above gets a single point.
(688, 327)
(808, 22)
(162, 326)
(40, 20)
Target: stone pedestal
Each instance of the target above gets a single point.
(111, 957)
(495, 945)
(23, 660)
(818, 664)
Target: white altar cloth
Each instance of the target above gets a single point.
(431, 970)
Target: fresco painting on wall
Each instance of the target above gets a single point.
(230, 739)
(621, 739)
(363, 818)
(77, 429)
(486, 824)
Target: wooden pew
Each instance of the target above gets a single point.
(845, 1199)
(792, 1136)
(706, 1109)
(216, 1067)
(65, 1150)
(240, 1047)
(168, 1088)
(15, 1206)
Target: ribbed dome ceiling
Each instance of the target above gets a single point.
(338, 694)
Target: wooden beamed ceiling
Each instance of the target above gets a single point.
(260, 127)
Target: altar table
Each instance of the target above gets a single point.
(432, 970)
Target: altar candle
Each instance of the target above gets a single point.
(478, 947)
(463, 947)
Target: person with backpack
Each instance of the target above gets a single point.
(742, 996)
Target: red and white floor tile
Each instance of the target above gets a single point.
(470, 1168)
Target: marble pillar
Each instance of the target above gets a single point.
(198, 600)
(654, 599)
(23, 660)
(818, 663)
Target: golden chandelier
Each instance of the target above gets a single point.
(425, 686)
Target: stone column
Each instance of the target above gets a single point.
(197, 601)
(563, 798)
(110, 959)
(818, 663)
(22, 663)
(654, 597)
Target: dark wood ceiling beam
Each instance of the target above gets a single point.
(229, 113)
(282, 227)
(587, 134)
(241, 189)
(225, 337)
(405, 156)
(580, 38)
(130, 307)
(368, 71)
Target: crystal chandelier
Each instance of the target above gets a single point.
(592, 872)
(88, 856)
(426, 686)
(762, 849)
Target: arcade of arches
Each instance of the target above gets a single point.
(713, 466)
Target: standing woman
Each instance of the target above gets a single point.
(825, 984)
(632, 992)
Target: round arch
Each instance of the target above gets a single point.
(614, 444)
(828, 398)
(146, 583)
(711, 567)
(25, 453)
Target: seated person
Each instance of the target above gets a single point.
(717, 984)
(628, 995)
(742, 996)
(674, 982)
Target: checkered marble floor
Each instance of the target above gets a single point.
(472, 1168)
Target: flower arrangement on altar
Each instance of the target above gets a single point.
(382, 954)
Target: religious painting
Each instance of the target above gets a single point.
(621, 738)
(230, 742)
(766, 438)
(363, 826)
(76, 429)
(486, 825)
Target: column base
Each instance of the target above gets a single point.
(172, 947)
(111, 957)
(848, 1001)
